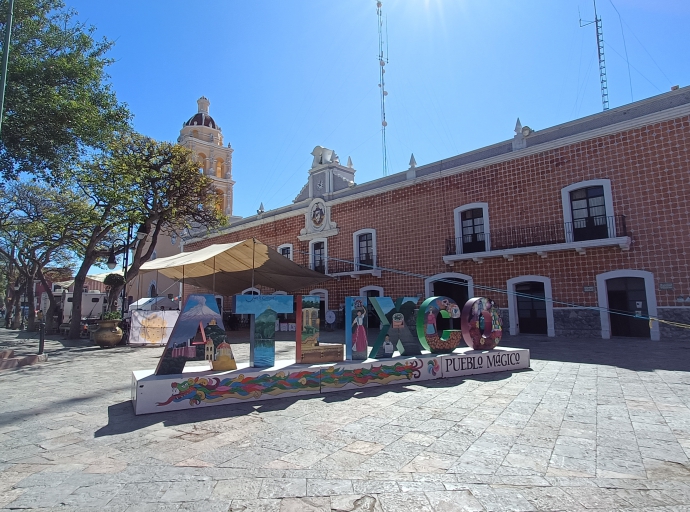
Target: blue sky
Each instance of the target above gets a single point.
(286, 75)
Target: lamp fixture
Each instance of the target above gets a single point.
(142, 232)
(112, 262)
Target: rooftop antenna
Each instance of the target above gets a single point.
(383, 60)
(602, 60)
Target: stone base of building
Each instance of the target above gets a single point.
(577, 322)
(676, 314)
(199, 386)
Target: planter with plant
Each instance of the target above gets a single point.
(109, 333)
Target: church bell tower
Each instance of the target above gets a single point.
(204, 138)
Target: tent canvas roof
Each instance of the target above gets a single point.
(227, 268)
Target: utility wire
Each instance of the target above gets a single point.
(518, 294)
(625, 47)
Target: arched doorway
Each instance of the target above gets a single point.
(459, 287)
(372, 317)
(530, 305)
(626, 299)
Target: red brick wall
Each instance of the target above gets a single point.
(649, 169)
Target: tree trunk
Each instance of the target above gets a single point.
(79, 279)
(8, 311)
(112, 297)
(31, 299)
(18, 308)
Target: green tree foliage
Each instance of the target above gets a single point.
(140, 181)
(58, 104)
(39, 226)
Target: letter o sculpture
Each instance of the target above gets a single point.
(482, 326)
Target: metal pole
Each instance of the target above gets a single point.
(125, 263)
(5, 58)
(253, 252)
(41, 336)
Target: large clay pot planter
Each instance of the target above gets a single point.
(108, 334)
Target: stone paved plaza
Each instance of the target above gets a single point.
(593, 425)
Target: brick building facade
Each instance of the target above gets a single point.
(586, 216)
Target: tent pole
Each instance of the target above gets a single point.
(214, 276)
(253, 252)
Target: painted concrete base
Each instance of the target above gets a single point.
(199, 386)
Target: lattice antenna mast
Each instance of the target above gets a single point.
(602, 61)
(383, 60)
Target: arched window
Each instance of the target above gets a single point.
(588, 210)
(364, 244)
(472, 228)
(152, 289)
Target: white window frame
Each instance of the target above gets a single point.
(429, 282)
(512, 303)
(608, 200)
(355, 246)
(365, 289)
(603, 298)
(325, 253)
(292, 251)
(457, 217)
(323, 294)
(247, 291)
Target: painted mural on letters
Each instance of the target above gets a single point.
(200, 320)
(265, 308)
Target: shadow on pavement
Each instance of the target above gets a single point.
(629, 353)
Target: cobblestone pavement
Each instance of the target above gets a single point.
(593, 425)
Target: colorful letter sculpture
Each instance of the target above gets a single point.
(395, 333)
(197, 335)
(309, 349)
(427, 330)
(356, 342)
(262, 349)
(482, 326)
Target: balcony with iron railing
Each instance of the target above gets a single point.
(590, 232)
(366, 264)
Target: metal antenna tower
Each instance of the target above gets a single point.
(383, 60)
(602, 61)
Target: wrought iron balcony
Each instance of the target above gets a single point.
(554, 233)
(366, 265)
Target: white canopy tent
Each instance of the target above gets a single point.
(228, 269)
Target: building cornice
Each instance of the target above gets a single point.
(352, 194)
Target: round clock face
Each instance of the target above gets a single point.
(318, 215)
(330, 317)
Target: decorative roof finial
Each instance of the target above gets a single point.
(413, 162)
(518, 127)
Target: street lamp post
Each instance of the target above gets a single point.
(112, 262)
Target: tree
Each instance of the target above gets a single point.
(140, 181)
(40, 225)
(58, 103)
(115, 282)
